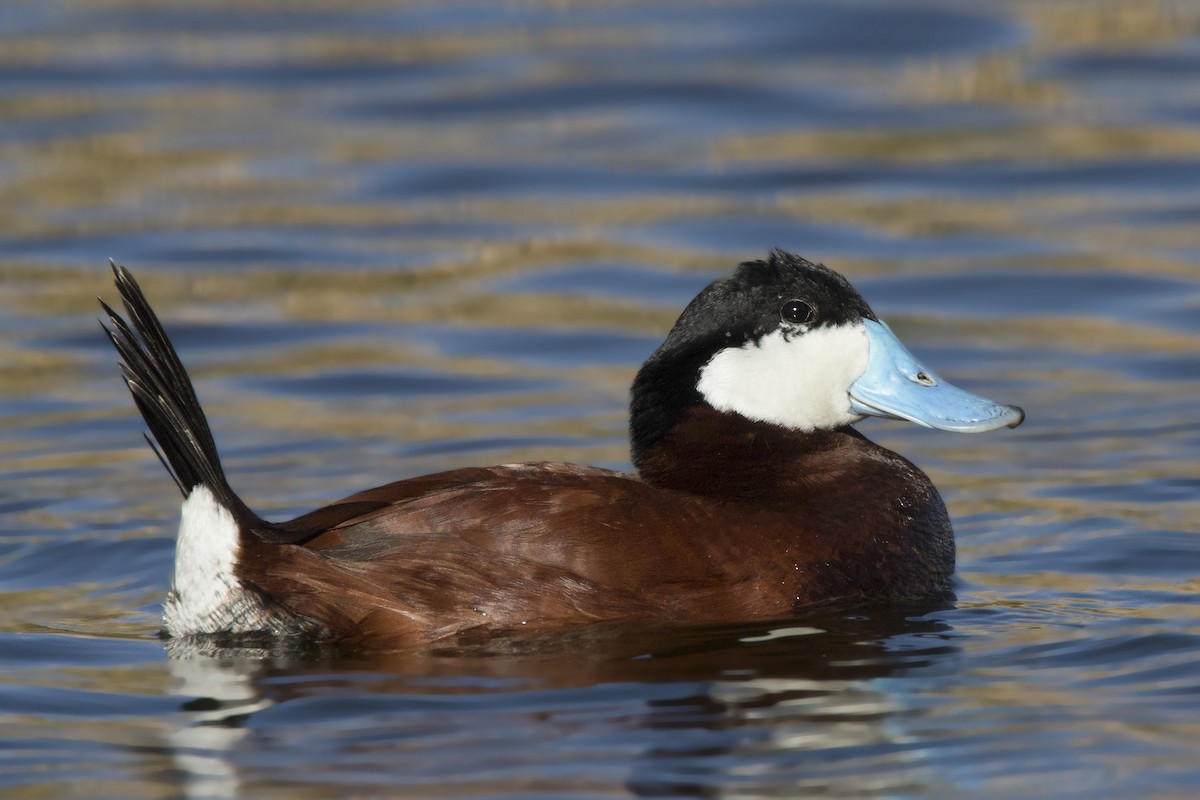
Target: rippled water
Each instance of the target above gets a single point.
(392, 238)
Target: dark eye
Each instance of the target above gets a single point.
(798, 312)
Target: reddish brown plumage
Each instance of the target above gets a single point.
(785, 524)
(727, 518)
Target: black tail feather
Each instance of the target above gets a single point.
(164, 395)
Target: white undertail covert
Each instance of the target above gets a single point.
(206, 596)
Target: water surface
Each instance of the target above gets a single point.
(394, 238)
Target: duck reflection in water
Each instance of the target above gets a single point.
(696, 710)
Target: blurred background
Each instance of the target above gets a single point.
(395, 237)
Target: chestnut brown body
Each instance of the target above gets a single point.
(731, 515)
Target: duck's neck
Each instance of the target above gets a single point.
(722, 454)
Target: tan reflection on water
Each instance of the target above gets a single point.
(151, 176)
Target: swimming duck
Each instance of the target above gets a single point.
(754, 497)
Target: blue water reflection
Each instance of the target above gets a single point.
(395, 238)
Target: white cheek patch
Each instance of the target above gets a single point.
(789, 378)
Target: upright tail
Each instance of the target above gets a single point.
(209, 594)
(164, 394)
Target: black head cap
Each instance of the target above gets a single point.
(756, 300)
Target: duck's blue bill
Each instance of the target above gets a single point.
(898, 386)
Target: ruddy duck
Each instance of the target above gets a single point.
(754, 497)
